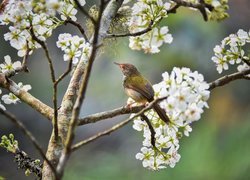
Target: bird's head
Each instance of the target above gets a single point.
(128, 69)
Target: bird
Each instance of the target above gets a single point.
(138, 88)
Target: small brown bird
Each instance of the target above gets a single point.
(139, 88)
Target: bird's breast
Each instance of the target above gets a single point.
(136, 96)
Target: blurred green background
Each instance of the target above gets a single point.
(218, 147)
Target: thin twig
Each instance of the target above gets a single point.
(151, 129)
(228, 78)
(85, 12)
(100, 134)
(109, 114)
(21, 126)
(53, 77)
(78, 25)
(65, 73)
(117, 126)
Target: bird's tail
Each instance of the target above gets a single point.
(161, 112)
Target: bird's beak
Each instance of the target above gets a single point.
(118, 64)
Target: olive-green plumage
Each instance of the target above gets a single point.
(139, 88)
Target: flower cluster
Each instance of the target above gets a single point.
(220, 9)
(144, 13)
(74, 47)
(187, 94)
(231, 51)
(6, 67)
(27, 19)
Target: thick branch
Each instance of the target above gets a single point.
(228, 78)
(101, 27)
(109, 114)
(80, 98)
(26, 97)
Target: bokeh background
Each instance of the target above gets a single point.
(218, 147)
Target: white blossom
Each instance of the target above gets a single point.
(186, 93)
(8, 65)
(10, 98)
(143, 14)
(74, 48)
(231, 51)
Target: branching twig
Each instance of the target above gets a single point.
(228, 78)
(78, 25)
(53, 77)
(21, 126)
(117, 126)
(109, 114)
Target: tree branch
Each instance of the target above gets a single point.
(105, 17)
(151, 129)
(200, 6)
(93, 118)
(21, 126)
(109, 114)
(26, 97)
(228, 78)
(117, 126)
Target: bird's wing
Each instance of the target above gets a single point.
(145, 89)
